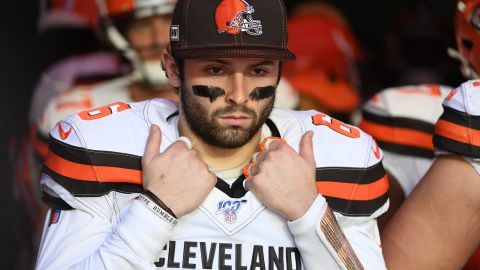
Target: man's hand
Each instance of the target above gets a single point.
(284, 180)
(177, 176)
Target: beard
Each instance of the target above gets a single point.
(206, 127)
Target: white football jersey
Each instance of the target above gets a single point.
(93, 170)
(59, 78)
(402, 121)
(84, 97)
(63, 75)
(458, 129)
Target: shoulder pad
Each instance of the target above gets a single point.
(88, 172)
(402, 119)
(458, 129)
(349, 171)
(99, 150)
(81, 98)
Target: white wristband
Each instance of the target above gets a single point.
(157, 210)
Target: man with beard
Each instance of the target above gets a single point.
(221, 180)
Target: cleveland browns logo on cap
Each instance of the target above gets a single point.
(235, 16)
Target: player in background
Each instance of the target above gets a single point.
(139, 32)
(72, 53)
(325, 73)
(220, 180)
(438, 225)
(84, 57)
(138, 37)
(402, 121)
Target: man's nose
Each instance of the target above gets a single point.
(237, 94)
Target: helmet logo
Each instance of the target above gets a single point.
(235, 16)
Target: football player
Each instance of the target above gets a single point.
(406, 136)
(222, 179)
(68, 33)
(438, 226)
(139, 30)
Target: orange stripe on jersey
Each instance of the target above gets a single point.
(84, 172)
(458, 133)
(356, 192)
(398, 135)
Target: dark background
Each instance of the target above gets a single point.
(419, 39)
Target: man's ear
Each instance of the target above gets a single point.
(171, 69)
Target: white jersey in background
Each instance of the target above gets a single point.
(402, 121)
(83, 98)
(59, 78)
(64, 74)
(92, 177)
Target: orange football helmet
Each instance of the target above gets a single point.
(137, 8)
(235, 16)
(325, 69)
(467, 36)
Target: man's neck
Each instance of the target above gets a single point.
(220, 157)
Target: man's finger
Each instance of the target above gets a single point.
(306, 148)
(247, 184)
(247, 169)
(153, 144)
(258, 156)
(187, 141)
(271, 143)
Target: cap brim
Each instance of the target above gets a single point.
(208, 53)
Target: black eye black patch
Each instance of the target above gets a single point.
(262, 92)
(211, 92)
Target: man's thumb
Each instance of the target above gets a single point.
(153, 144)
(306, 148)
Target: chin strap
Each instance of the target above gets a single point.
(465, 67)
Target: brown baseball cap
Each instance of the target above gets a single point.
(203, 29)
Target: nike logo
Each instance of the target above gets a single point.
(376, 150)
(64, 135)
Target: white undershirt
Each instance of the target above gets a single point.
(229, 175)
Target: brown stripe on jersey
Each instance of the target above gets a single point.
(460, 118)
(456, 147)
(400, 135)
(455, 138)
(401, 122)
(458, 133)
(91, 188)
(353, 191)
(86, 172)
(351, 175)
(406, 150)
(94, 157)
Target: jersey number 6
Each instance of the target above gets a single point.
(335, 125)
(103, 111)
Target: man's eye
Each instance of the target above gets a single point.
(259, 72)
(215, 70)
